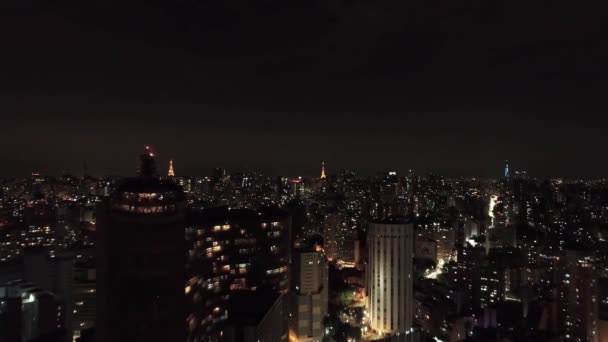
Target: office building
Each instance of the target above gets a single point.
(309, 295)
(141, 260)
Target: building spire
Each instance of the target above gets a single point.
(147, 163)
(323, 176)
(171, 173)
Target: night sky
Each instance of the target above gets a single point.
(450, 86)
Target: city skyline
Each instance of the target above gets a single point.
(303, 171)
(329, 259)
(324, 169)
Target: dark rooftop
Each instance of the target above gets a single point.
(393, 220)
(250, 307)
(220, 214)
(148, 185)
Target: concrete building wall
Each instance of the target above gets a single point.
(310, 296)
(390, 278)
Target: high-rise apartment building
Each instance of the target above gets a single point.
(578, 296)
(390, 298)
(233, 251)
(309, 295)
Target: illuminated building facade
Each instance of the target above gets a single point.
(468, 275)
(331, 225)
(309, 295)
(230, 251)
(390, 299)
(492, 286)
(141, 260)
(446, 239)
(578, 296)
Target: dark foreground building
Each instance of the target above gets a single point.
(141, 271)
(256, 316)
(233, 251)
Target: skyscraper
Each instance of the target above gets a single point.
(309, 295)
(331, 223)
(55, 275)
(507, 172)
(390, 277)
(141, 260)
(233, 250)
(578, 296)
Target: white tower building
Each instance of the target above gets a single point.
(390, 277)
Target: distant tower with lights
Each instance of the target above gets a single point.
(141, 260)
(171, 172)
(507, 172)
(323, 175)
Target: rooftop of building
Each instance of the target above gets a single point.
(250, 307)
(149, 185)
(20, 287)
(220, 214)
(393, 220)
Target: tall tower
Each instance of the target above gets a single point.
(507, 172)
(147, 163)
(578, 296)
(141, 260)
(389, 280)
(171, 173)
(309, 295)
(323, 176)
